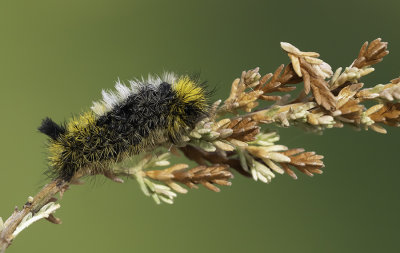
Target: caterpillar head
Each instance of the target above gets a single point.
(190, 105)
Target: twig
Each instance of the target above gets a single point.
(45, 195)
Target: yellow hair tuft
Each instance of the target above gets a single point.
(189, 92)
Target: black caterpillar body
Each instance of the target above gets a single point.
(130, 121)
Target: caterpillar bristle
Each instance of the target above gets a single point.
(50, 128)
(128, 121)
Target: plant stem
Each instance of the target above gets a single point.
(45, 195)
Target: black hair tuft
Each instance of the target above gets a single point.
(51, 129)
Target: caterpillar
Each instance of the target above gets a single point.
(128, 121)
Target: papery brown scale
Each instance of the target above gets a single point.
(248, 124)
(382, 54)
(222, 182)
(270, 98)
(389, 114)
(375, 45)
(363, 49)
(210, 186)
(377, 128)
(305, 162)
(377, 51)
(372, 54)
(263, 81)
(289, 171)
(191, 185)
(234, 122)
(317, 94)
(245, 135)
(373, 62)
(305, 171)
(352, 106)
(308, 67)
(251, 136)
(271, 87)
(286, 88)
(278, 80)
(395, 81)
(245, 129)
(293, 151)
(358, 62)
(307, 81)
(328, 101)
(243, 122)
(392, 123)
(275, 77)
(315, 170)
(289, 75)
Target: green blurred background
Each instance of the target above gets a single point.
(56, 56)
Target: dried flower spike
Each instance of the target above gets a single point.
(134, 131)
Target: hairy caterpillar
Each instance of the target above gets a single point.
(159, 110)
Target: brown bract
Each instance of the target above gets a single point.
(205, 175)
(242, 96)
(203, 158)
(278, 82)
(243, 129)
(312, 81)
(308, 163)
(371, 53)
(314, 72)
(349, 108)
(388, 114)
